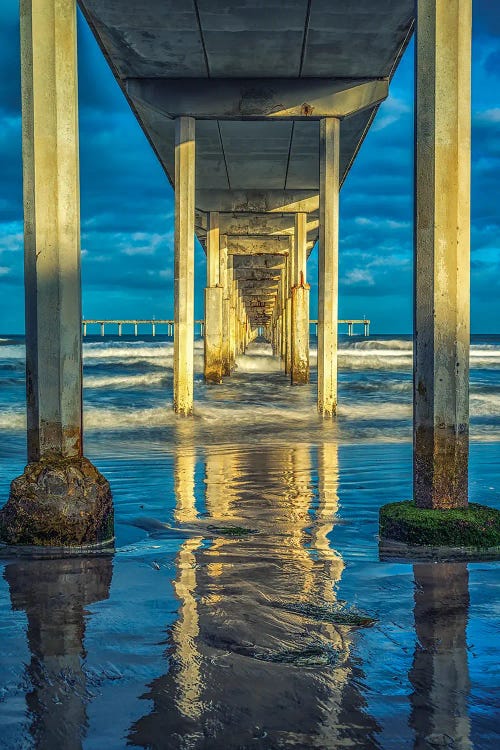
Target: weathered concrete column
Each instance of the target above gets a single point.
(290, 275)
(213, 304)
(184, 264)
(300, 305)
(233, 321)
(224, 261)
(283, 315)
(442, 235)
(328, 265)
(61, 499)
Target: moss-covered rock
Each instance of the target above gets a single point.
(58, 502)
(476, 526)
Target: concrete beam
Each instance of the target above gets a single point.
(258, 245)
(251, 274)
(258, 287)
(257, 98)
(263, 224)
(271, 262)
(258, 201)
(442, 264)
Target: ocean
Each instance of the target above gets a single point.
(246, 606)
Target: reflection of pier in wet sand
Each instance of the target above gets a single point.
(228, 682)
(54, 594)
(248, 663)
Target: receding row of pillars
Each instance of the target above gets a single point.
(442, 203)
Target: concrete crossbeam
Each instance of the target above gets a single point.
(258, 245)
(257, 98)
(263, 224)
(270, 262)
(258, 201)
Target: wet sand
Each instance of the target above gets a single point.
(197, 634)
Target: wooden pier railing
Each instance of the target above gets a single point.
(154, 323)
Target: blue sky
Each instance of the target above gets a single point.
(127, 203)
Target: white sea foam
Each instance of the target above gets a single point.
(258, 363)
(124, 381)
(12, 351)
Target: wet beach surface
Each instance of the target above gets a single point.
(245, 606)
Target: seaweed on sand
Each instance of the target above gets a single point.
(335, 613)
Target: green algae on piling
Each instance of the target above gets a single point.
(476, 526)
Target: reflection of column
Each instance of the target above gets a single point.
(220, 470)
(234, 591)
(186, 628)
(328, 505)
(55, 607)
(440, 674)
(297, 501)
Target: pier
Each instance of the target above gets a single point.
(154, 323)
(258, 146)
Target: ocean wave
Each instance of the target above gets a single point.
(98, 418)
(124, 381)
(12, 351)
(257, 363)
(374, 343)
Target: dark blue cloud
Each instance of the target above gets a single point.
(127, 202)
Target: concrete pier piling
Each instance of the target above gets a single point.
(300, 305)
(184, 265)
(328, 265)
(214, 295)
(442, 266)
(224, 274)
(60, 499)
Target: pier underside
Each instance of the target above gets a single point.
(256, 112)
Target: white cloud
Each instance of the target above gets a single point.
(389, 261)
(390, 112)
(363, 221)
(359, 276)
(488, 115)
(141, 250)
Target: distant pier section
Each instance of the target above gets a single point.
(169, 324)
